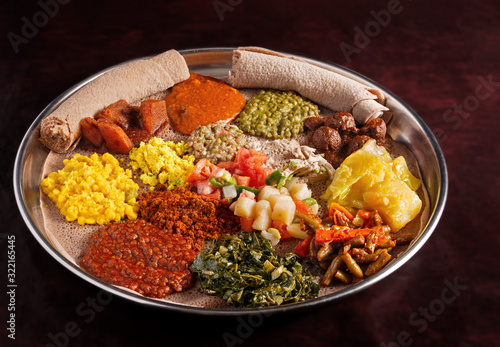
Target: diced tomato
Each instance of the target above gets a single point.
(263, 173)
(242, 180)
(250, 157)
(248, 162)
(228, 165)
(214, 170)
(284, 234)
(204, 187)
(302, 207)
(201, 171)
(246, 224)
(199, 177)
(246, 168)
(281, 226)
(302, 248)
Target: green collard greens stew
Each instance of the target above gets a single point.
(244, 270)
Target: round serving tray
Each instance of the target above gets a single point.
(405, 127)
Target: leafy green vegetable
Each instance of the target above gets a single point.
(245, 271)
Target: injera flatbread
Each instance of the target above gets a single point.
(133, 81)
(255, 67)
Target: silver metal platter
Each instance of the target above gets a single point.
(405, 127)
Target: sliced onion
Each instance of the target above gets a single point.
(295, 231)
(229, 192)
(271, 237)
(219, 173)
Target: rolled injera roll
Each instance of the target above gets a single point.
(60, 131)
(255, 67)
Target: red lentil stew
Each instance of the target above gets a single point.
(202, 100)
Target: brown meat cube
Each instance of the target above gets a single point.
(116, 113)
(137, 135)
(349, 133)
(160, 132)
(341, 121)
(134, 117)
(325, 138)
(153, 114)
(114, 136)
(356, 143)
(313, 123)
(91, 132)
(335, 158)
(375, 128)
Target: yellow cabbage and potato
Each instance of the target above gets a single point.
(370, 179)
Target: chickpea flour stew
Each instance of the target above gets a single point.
(275, 189)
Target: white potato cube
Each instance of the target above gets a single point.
(245, 207)
(262, 215)
(295, 231)
(275, 198)
(284, 191)
(266, 192)
(300, 191)
(284, 211)
(232, 206)
(291, 182)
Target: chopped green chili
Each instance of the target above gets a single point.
(274, 178)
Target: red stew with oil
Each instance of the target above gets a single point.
(138, 255)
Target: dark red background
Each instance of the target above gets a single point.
(431, 54)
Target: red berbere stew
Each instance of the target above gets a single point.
(140, 256)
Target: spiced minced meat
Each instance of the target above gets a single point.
(140, 256)
(186, 213)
